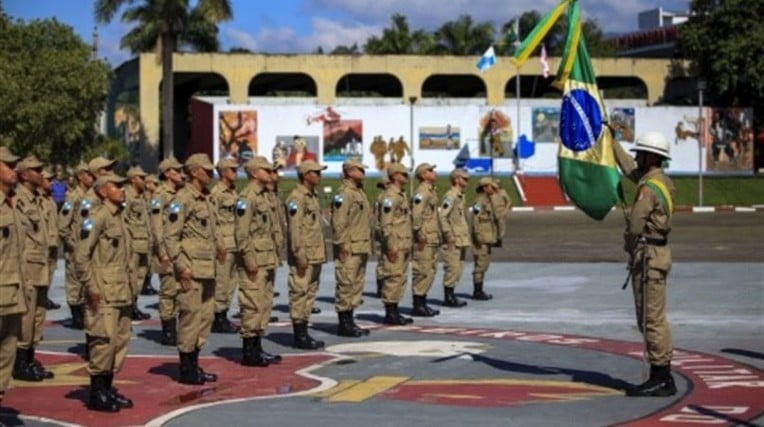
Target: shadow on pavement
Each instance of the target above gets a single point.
(744, 353)
(154, 335)
(168, 369)
(10, 417)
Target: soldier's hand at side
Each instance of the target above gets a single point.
(343, 255)
(302, 267)
(392, 255)
(93, 299)
(451, 245)
(222, 254)
(185, 277)
(252, 274)
(421, 241)
(164, 263)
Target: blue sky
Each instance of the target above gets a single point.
(300, 26)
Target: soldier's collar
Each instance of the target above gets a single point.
(301, 187)
(198, 194)
(651, 173)
(258, 186)
(113, 208)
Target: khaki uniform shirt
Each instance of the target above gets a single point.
(279, 221)
(102, 256)
(485, 221)
(424, 207)
(503, 205)
(66, 225)
(12, 299)
(162, 197)
(189, 233)
(35, 255)
(305, 228)
(224, 201)
(351, 219)
(50, 215)
(137, 220)
(395, 220)
(453, 219)
(254, 228)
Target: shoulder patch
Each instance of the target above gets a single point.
(338, 199)
(174, 210)
(292, 207)
(156, 204)
(66, 207)
(418, 198)
(476, 208)
(446, 202)
(241, 207)
(86, 228)
(387, 205)
(85, 206)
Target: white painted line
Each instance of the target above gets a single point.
(519, 187)
(523, 209)
(703, 209)
(564, 208)
(744, 209)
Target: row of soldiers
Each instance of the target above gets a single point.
(203, 242)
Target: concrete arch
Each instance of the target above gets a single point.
(454, 86)
(277, 84)
(384, 85)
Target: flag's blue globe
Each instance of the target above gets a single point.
(580, 120)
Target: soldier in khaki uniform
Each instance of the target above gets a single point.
(382, 185)
(395, 226)
(279, 220)
(485, 234)
(255, 239)
(173, 181)
(12, 301)
(189, 236)
(456, 235)
(101, 259)
(503, 205)
(137, 221)
(306, 251)
(151, 183)
(50, 213)
(427, 239)
(646, 240)
(34, 267)
(352, 240)
(223, 197)
(67, 227)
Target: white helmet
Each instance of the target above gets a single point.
(653, 142)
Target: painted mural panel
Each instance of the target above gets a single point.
(291, 150)
(439, 137)
(237, 134)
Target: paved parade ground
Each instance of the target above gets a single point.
(556, 346)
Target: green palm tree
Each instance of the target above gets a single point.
(464, 37)
(167, 25)
(399, 40)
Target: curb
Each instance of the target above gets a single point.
(683, 208)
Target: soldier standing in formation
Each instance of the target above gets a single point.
(12, 301)
(456, 237)
(279, 220)
(382, 185)
(189, 236)
(67, 227)
(646, 240)
(173, 181)
(50, 213)
(485, 234)
(137, 221)
(306, 251)
(427, 239)
(223, 198)
(352, 239)
(395, 224)
(255, 238)
(34, 266)
(503, 205)
(152, 183)
(102, 257)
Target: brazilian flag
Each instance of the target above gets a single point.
(587, 168)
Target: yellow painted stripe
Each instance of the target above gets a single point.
(367, 389)
(341, 386)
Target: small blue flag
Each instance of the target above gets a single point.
(487, 60)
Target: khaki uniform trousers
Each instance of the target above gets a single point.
(350, 278)
(75, 292)
(196, 309)
(453, 264)
(650, 305)
(255, 302)
(168, 296)
(10, 328)
(424, 264)
(109, 329)
(33, 321)
(481, 253)
(396, 276)
(140, 269)
(225, 282)
(302, 292)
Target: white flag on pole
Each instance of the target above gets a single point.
(487, 60)
(544, 61)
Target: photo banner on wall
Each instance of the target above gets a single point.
(290, 151)
(237, 134)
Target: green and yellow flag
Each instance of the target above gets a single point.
(586, 164)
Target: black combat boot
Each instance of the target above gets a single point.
(51, 305)
(347, 327)
(221, 324)
(188, 373)
(478, 294)
(250, 356)
(23, 369)
(315, 310)
(122, 401)
(380, 285)
(450, 299)
(100, 399)
(78, 317)
(37, 366)
(393, 316)
(273, 319)
(147, 289)
(169, 333)
(138, 315)
(421, 308)
(362, 331)
(302, 339)
(271, 358)
(660, 384)
(206, 376)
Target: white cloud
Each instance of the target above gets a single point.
(238, 38)
(329, 34)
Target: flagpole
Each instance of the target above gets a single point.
(516, 151)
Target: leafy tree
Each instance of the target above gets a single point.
(725, 41)
(464, 37)
(399, 40)
(167, 25)
(554, 41)
(346, 50)
(52, 90)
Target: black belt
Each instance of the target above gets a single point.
(656, 242)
